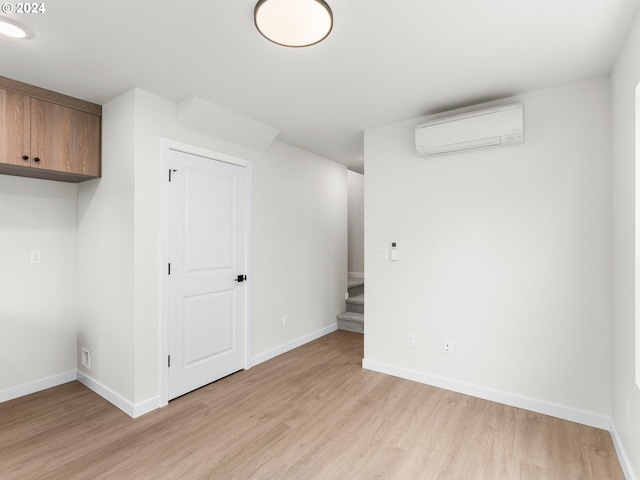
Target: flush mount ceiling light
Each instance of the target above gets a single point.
(293, 23)
(15, 29)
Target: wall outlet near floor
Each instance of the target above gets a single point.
(411, 340)
(285, 320)
(85, 359)
(447, 347)
(35, 257)
(627, 406)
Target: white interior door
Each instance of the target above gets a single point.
(208, 260)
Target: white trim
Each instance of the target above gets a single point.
(166, 145)
(623, 458)
(177, 146)
(546, 408)
(249, 232)
(38, 385)
(263, 357)
(163, 307)
(131, 409)
(356, 275)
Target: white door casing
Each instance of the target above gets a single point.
(207, 251)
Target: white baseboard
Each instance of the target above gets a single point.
(551, 409)
(33, 387)
(263, 357)
(623, 457)
(133, 410)
(136, 410)
(109, 395)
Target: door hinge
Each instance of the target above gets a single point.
(170, 172)
(169, 269)
(168, 360)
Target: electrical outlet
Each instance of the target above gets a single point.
(35, 257)
(447, 347)
(85, 358)
(411, 340)
(285, 320)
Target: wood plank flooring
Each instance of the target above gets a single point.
(312, 413)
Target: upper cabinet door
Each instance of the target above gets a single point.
(45, 134)
(86, 141)
(64, 139)
(15, 121)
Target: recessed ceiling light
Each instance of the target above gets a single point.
(15, 29)
(293, 23)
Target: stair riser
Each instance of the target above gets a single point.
(356, 291)
(355, 307)
(350, 326)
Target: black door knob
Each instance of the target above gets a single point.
(36, 159)
(25, 157)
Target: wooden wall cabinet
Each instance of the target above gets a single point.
(44, 134)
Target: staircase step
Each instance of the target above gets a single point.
(355, 304)
(359, 299)
(355, 286)
(351, 322)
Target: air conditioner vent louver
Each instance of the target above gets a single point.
(489, 127)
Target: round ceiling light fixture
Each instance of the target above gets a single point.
(15, 29)
(293, 23)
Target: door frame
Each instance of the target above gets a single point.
(166, 146)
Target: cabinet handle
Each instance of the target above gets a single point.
(25, 157)
(36, 159)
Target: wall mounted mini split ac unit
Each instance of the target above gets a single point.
(488, 127)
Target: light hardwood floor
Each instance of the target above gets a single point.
(312, 413)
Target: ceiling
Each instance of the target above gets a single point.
(383, 62)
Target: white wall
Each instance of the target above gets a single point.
(37, 314)
(299, 244)
(625, 78)
(105, 255)
(506, 252)
(356, 222)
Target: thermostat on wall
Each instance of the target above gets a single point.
(394, 252)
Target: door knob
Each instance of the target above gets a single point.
(240, 278)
